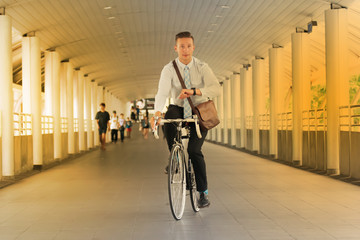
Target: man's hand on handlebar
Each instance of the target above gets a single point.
(152, 120)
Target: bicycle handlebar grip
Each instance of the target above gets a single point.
(197, 127)
(156, 130)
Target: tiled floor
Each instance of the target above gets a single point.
(122, 194)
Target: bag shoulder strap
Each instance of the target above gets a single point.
(183, 84)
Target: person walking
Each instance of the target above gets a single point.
(114, 126)
(145, 127)
(102, 118)
(128, 126)
(201, 84)
(122, 127)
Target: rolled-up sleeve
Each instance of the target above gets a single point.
(211, 87)
(164, 89)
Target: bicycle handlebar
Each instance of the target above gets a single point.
(194, 120)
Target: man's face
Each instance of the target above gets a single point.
(185, 48)
(102, 107)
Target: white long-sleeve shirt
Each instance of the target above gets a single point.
(201, 77)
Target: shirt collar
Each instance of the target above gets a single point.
(182, 66)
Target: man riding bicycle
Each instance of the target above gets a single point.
(201, 85)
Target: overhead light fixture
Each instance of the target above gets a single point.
(111, 18)
(310, 26)
(225, 6)
(218, 16)
(210, 31)
(214, 24)
(107, 7)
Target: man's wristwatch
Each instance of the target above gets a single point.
(194, 89)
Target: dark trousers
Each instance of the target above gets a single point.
(194, 147)
(114, 135)
(122, 135)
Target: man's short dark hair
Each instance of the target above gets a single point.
(102, 104)
(183, 35)
(114, 111)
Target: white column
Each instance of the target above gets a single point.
(225, 92)
(221, 115)
(6, 97)
(301, 89)
(67, 75)
(80, 113)
(337, 80)
(52, 96)
(236, 107)
(245, 101)
(88, 112)
(232, 106)
(75, 104)
(94, 104)
(259, 102)
(276, 79)
(31, 87)
(215, 130)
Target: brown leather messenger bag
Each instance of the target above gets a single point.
(206, 112)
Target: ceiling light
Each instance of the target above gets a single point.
(218, 16)
(214, 24)
(210, 31)
(111, 18)
(107, 8)
(225, 6)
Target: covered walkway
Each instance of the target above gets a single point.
(122, 194)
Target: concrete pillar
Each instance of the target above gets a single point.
(245, 101)
(67, 75)
(236, 108)
(215, 130)
(276, 79)
(52, 96)
(94, 104)
(232, 107)
(6, 98)
(301, 89)
(337, 80)
(87, 98)
(225, 105)
(220, 109)
(259, 101)
(80, 108)
(31, 87)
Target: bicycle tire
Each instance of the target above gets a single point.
(194, 194)
(177, 182)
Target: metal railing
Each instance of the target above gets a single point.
(47, 124)
(264, 121)
(22, 124)
(249, 122)
(314, 120)
(76, 125)
(285, 121)
(349, 118)
(64, 125)
(238, 123)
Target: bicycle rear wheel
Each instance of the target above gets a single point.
(194, 194)
(177, 182)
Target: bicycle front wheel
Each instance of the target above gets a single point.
(177, 182)
(194, 194)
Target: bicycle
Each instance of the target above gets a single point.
(181, 175)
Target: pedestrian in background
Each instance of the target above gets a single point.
(145, 127)
(102, 118)
(122, 126)
(128, 126)
(114, 126)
